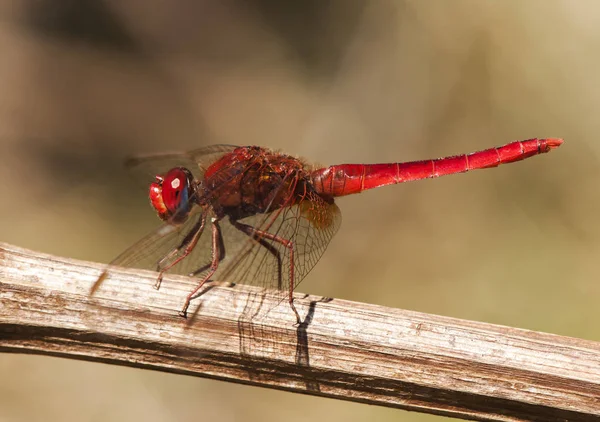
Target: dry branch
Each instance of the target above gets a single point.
(346, 350)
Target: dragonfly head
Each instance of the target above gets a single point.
(172, 195)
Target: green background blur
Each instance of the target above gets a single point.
(85, 83)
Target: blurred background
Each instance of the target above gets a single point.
(85, 83)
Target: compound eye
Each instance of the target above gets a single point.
(175, 190)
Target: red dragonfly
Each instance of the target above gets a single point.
(270, 215)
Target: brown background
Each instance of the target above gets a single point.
(85, 83)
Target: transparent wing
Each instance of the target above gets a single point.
(265, 260)
(145, 167)
(148, 251)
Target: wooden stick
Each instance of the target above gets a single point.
(345, 350)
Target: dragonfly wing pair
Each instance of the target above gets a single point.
(269, 249)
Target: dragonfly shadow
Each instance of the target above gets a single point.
(302, 350)
(258, 337)
(192, 317)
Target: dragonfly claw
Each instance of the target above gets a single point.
(183, 312)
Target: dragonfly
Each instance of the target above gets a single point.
(251, 214)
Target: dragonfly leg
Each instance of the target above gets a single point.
(222, 254)
(248, 230)
(260, 236)
(186, 247)
(216, 253)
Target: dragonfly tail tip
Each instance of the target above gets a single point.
(552, 143)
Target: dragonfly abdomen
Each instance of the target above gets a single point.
(347, 179)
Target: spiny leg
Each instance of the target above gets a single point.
(188, 244)
(215, 252)
(260, 235)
